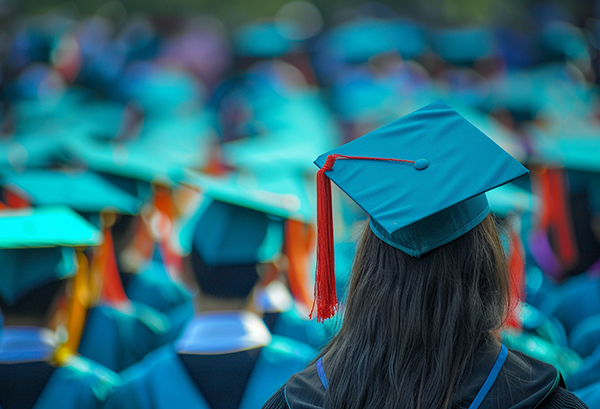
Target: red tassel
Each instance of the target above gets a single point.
(516, 272)
(325, 292)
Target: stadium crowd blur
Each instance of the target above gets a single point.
(140, 123)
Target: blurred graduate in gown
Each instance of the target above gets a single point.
(39, 261)
(226, 356)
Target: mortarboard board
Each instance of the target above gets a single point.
(464, 45)
(34, 247)
(228, 234)
(357, 41)
(158, 156)
(228, 241)
(560, 39)
(580, 152)
(422, 179)
(163, 91)
(267, 39)
(264, 199)
(509, 198)
(83, 191)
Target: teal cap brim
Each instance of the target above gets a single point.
(438, 229)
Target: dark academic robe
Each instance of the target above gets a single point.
(117, 339)
(155, 288)
(163, 380)
(501, 379)
(79, 384)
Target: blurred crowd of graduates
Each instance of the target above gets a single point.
(131, 123)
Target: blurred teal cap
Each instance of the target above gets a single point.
(31, 150)
(464, 45)
(279, 195)
(227, 234)
(35, 247)
(361, 39)
(265, 39)
(164, 91)
(46, 226)
(563, 39)
(507, 199)
(83, 191)
(519, 93)
(575, 153)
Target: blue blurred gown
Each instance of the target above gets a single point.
(160, 308)
(155, 288)
(118, 338)
(79, 383)
(162, 378)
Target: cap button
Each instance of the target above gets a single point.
(421, 164)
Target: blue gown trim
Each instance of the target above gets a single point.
(490, 379)
(321, 373)
(487, 385)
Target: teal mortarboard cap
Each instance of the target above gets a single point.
(227, 234)
(575, 153)
(464, 45)
(159, 156)
(564, 39)
(164, 91)
(508, 199)
(83, 191)
(359, 40)
(35, 247)
(422, 179)
(274, 196)
(267, 39)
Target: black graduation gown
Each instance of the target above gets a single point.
(523, 382)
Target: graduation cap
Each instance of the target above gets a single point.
(158, 156)
(507, 199)
(83, 191)
(361, 39)
(266, 39)
(226, 243)
(36, 247)
(574, 153)
(244, 209)
(163, 91)
(464, 45)
(422, 179)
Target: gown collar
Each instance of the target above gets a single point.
(25, 344)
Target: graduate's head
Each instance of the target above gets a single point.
(462, 284)
(32, 280)
(229, 244)
(105, 202)
(36, 259)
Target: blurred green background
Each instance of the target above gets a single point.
(439, 12)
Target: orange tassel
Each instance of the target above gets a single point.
(299, 243)
(112, 287)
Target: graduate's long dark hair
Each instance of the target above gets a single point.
(412, 326)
